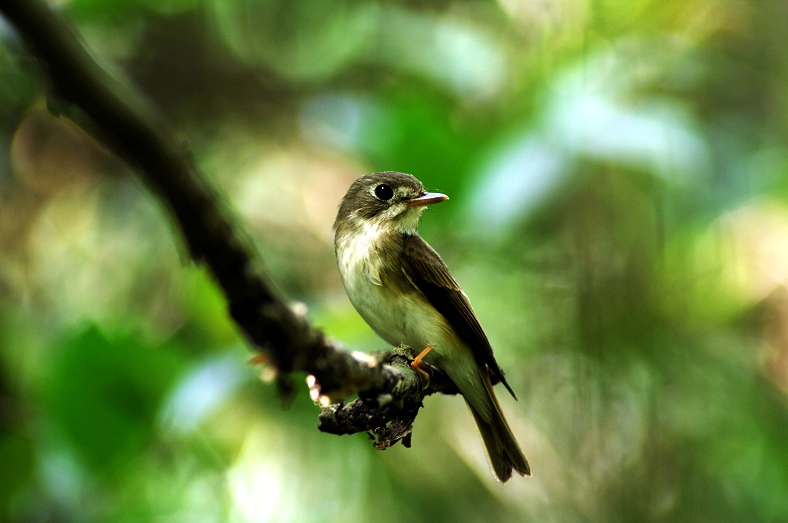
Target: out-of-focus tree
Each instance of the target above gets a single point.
(618, 174)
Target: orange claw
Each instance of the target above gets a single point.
(417, 360)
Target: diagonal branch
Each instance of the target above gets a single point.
(116, 115)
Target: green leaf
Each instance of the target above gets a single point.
(16, 456)
(104, 393)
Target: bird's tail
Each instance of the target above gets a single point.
(503, 450)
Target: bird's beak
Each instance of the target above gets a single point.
(428, 198)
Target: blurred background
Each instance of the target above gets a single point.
(618, 174)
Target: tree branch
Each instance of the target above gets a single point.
(388, 416)
(108, 108)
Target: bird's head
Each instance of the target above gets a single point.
(386, 200)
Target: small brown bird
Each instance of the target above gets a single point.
(404, 291)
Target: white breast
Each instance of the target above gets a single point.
(404, 317)
(354, 256)
(395, 317)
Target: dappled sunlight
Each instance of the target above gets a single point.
(618, 217)
(759, 234)
(280, 475)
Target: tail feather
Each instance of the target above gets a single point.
(503, 451)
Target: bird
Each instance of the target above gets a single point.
(402, 288)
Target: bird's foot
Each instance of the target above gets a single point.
(417, 360)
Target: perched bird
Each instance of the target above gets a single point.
(404, 291)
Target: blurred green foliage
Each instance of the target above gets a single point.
(618, 174)
(117, 396)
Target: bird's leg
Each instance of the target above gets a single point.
(417, 360)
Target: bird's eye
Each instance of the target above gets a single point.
(384, 192)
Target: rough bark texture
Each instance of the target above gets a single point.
(390, 392)
(386, 411)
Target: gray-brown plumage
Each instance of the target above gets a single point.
(405, 292)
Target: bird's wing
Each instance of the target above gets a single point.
(425, 268)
